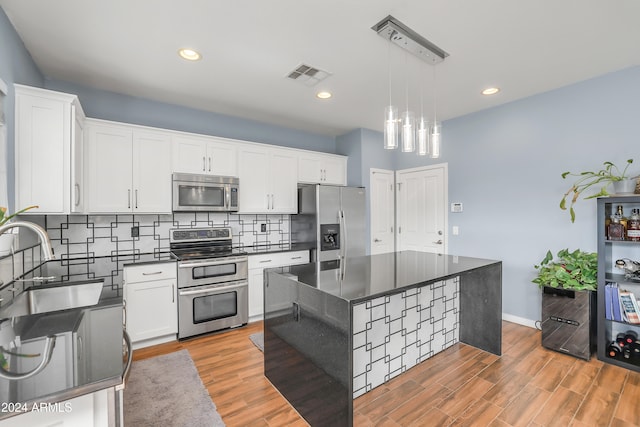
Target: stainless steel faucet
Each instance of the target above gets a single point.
(47, 250)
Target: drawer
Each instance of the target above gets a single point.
(278, 259)
(148, 272)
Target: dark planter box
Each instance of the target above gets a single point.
(569, 321)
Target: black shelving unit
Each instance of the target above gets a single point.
(608, 252)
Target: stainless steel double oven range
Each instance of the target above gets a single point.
(212, 280)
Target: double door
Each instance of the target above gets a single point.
(204, 155)
(129, 169)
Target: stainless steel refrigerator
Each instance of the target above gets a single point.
(331, 220)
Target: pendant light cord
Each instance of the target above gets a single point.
(435, 88)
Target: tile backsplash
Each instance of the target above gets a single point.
(106, 235)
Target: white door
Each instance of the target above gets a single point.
(382, 211)
(189, 154)
(284, 181)
(254, 178)
(421, 195)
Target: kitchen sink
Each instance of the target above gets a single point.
(48, 298)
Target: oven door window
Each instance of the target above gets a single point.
(216, 306)
(217, 270)
(201, 195)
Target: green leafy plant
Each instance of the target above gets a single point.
(610, 173)
(575, 270)
(4, 217)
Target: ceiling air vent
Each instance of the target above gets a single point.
(308, 75)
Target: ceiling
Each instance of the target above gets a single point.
(248, 48)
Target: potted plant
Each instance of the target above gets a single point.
(623, 183)
(6, 239)
(568, 302)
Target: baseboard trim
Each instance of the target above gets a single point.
(519, 320)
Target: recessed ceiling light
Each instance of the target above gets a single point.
(324, 94)
(189, 54)
(491, 91)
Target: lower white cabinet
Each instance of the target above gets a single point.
(150, 299)
(257, 264)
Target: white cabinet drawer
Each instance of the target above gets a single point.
(278, 259)
(148, 272)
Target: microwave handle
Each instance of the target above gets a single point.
(227, 194)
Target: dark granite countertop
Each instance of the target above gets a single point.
(87, 356)
(363, 278)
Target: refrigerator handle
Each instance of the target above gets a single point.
(343, 234)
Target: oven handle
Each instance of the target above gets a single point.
(209, 289)
(221, 261)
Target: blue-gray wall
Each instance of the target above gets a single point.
(16, 66)
(100, 104)
(505, 166)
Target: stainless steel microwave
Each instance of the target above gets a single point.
(193, 192)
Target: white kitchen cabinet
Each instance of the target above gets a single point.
(129, 169)
(318, 168)
(256, 266)
(204, 155)
(268, 178)
(48, 141)
(150, 299)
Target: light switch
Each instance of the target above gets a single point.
(456, 230)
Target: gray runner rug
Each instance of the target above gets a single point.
(167, 391)
(258, 340)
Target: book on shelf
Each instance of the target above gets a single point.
(616, 311)
(629, 307)
(608, 301)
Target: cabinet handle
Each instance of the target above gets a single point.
(77, 187)
(80, 348)
(439, 242)
(129, 199)
(173, 294)
(136, 199)
(377, 240)
(266, 260)
(124, 313)
(204, 164)
(151, 274)
(273, 203)
(296, 257)
(268, 201)
(209, 163)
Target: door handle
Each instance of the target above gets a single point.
(377, 240)
(439, 242)
(209, 163)
(204, 164)
(129, 199)
(136, 198)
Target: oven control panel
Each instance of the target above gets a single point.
(200, 234)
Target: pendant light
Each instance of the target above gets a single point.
(390, 116)
(422, 131)
(436, 126)
(408, 118)
(428, 137)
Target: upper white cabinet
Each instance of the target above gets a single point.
(129, 169)
(318, 168)
(48, 144)
(268, 177)
(204, 155)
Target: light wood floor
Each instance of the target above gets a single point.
(462, 386)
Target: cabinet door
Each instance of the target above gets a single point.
(309, 167)
(222, 158)
(77, 161)
(42, 153)
(284, 182)
(151, 309)
(109, 160)
(254, 180)
(334, 171)
(189, 154)
(151, 172)
(256, 293)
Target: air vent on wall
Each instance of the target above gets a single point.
(308, 75)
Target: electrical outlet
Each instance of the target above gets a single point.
(263, 228)
(135, 231)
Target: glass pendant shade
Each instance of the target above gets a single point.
(436, 139)
(390, 127)
(408, 132)
(423, 137)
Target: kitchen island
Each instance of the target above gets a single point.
(335, 330)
